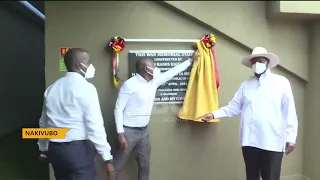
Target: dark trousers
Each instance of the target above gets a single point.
(73, 160)
(262, 163)
(139, 144)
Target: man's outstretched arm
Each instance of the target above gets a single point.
(232, 109)
(168, 75)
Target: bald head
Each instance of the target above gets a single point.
(141, 65)
(74, 57)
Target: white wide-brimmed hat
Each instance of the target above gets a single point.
(261, 52)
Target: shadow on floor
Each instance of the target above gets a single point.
(19, 159)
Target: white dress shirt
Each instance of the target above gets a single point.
(135, 100)
(268, 113)
(72, 102)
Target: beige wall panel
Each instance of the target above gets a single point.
(246, 22)
(180, 151)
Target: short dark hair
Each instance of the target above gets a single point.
(142, 63)
(70, 58)
(139, 65)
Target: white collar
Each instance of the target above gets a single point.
(264, 75)
(141, 79)
(74, 74)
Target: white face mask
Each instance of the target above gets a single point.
(156, 71)
(90, 71)
(259, 67)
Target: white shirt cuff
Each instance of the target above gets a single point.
(217, 114)
(120, 129)
(291, 139)
(107, 156)
(43, 144)
(188, 61)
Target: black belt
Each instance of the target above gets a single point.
(68, 143)
(136, 128)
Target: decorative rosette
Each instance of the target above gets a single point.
(209, 40)
(117, 44)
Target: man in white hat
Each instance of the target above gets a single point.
(269, 122)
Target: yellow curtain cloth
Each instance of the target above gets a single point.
(202, 92)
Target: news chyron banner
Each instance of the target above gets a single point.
(44, 133)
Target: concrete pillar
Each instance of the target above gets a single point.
(312, 105)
